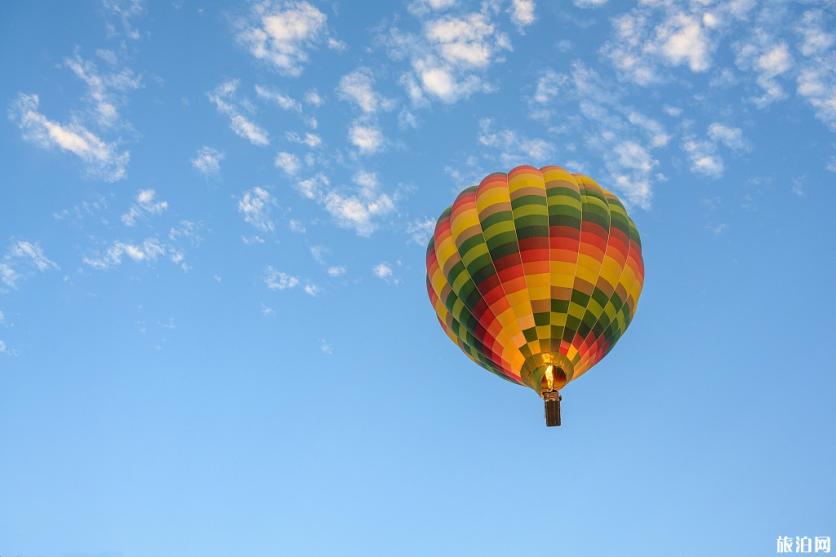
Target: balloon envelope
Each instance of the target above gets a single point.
(535, 274)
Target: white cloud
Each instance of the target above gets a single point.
(146, 203)
(249, 130)
(367, 181)
(336, 271)
(224, 97)
(313, 98)
(296, 226)
(382, 271)
(592, 112)
(514, 149)
(462, 41)
(3, 348)
(278, 280)
(775, 61)
(32, 253)
(287, 163)
(148, 251)
(423, 7)
(360, 209)
(549, 85)
(358, 87)
(816, 80)
(336, 44)
(318, 253)
(768, 60)
(718, 229)
(522, 12)
(325, 348)
(366, 137)
(281, 33)
(817, 83)
(101, 160)
(448, 60)
(312, 187)
(815, 39)
(282, 101)
(8, 275)
(421, 230)
(385, 272)
(682, 39)
(207, 161)
(311, 289)
(312, 140)
(358, 212)
(255, 206)
(589, 3)
(103, 89)
(703, 153)
(657, 133)
(703, 158)
(20, 257)
(667, 33)
(730, 137)
(124, 11)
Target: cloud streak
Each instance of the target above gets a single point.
(101, 160)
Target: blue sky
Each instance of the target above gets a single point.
(214, 332)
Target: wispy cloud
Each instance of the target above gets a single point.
(103, 89)
(366, 137)
(287, 163)
(357, 87)
(275, 96)
(325, 347)
(279, 280)
(149, 250)
(589, 3)
(224, 97)
(703, 153)
(595, 115)
(146, 204)
(207, 161)
(385, 272)
(255, 206)
(120, 14)
(656, 35)
(360, 211)
(21, 258)
(101, 159)
(421, 230)
(449, 57)
(310, 139)
(513, 148)
(313, 98)
(816, 80)
(382, 270)
(522, 13)
(282, 33)
(768, 60)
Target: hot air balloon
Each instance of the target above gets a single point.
(535, 275)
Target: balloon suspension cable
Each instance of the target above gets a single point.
(552, 401)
